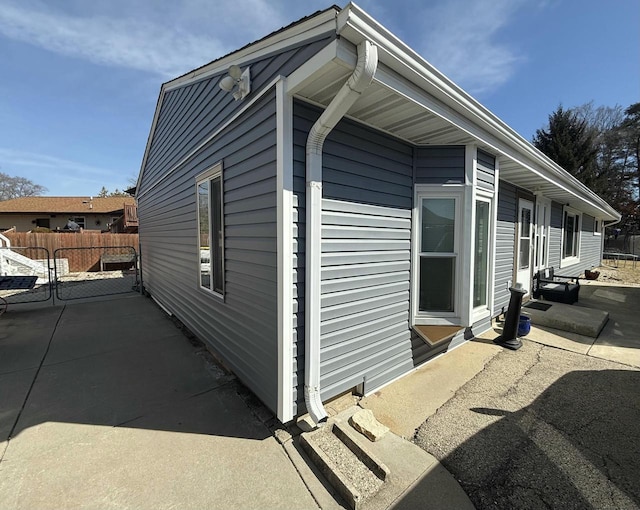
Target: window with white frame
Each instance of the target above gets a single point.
(481, 252)
(438, 248)
(597, 227)
(571, 234)
(80, 220)
(211, 230)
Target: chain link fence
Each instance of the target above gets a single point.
(95, 271)
(27, 274)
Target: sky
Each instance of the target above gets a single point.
(79, 79)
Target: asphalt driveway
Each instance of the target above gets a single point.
(543, 428)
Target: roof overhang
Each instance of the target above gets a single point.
(412, 100)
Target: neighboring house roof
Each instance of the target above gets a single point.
(70, 205)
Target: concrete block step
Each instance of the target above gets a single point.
(571, 318)
(355, 473)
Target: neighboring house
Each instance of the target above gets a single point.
(89, 213)
(354, 215)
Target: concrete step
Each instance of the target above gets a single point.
(355, 473)
(571, 318)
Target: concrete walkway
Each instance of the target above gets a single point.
(106, 404)
(618, 341)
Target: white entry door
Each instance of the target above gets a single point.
(525, 245)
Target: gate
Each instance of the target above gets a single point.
(72, 273)
(95, 271)
(34, 261)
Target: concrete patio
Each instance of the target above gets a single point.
(618, 341)
(107, 404)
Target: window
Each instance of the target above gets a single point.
(438, 254)
(524, 257)
(571, 234)
(597, 227)
(79, 220)
(481, 254)
(43, 222)
(211, 230)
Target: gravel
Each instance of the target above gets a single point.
(362, 478)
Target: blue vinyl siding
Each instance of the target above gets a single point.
(191, 113)
(590, 252)
(555, 235)
(440, 164)
(366, 255)
(486, 170)
(505, 244)
(242, 329)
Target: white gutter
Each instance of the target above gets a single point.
(355, 24)
(349, 93)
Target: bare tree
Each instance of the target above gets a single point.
(16, 187)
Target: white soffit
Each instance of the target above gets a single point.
(418, 104)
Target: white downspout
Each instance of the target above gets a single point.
(344, 99)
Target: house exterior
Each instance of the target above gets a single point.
(89, 213)
(348, 215)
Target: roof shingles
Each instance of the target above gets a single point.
(84, 205)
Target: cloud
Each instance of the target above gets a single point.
(12, 159)
(166, 40)
(461, 41)
(59, 175)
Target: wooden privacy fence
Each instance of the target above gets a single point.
(79, 260)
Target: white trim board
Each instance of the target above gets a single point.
(284, 116)
(313, 27)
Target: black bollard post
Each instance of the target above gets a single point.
(509, 337)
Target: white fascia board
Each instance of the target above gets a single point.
(354, 24)
(152, 132)
(284, 120)
(389, 79)
(314, 27)
(338, 51)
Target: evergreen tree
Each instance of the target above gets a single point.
(601, 148)
(569, 142)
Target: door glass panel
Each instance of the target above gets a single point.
(481, 254)
(525, 245)
(438, 225)
(525, 223)
(437, 284)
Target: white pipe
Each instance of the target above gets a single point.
(339, 106)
